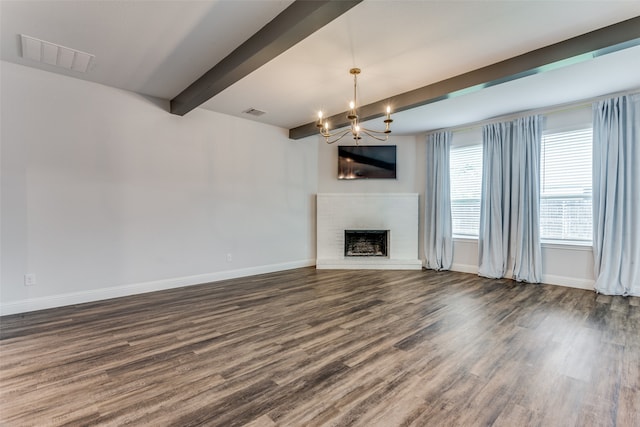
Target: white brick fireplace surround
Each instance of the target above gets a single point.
(395, 212)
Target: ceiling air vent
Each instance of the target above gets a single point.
(254, 112)
(54, 54)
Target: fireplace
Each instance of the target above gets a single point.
(366, 243)
(343, 216)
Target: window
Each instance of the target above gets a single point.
(565, 186)
(466, 186)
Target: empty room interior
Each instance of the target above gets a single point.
(320, 213)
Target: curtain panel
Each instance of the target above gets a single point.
(525, 200)
(438, 235)
(509, 235)
(495, 201)
(616, 195)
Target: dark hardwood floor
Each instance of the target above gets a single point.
(314, 347)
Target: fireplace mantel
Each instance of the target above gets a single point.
(396, 212)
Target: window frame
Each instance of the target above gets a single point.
(565, 243)
(461, 139)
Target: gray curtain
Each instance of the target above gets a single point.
(525, 200)
(437, 209)
(495, 201)
(616, 195)
(509, 235)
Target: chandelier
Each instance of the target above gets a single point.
(355, 129)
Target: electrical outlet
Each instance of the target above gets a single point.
(229, 258)
(29, 279)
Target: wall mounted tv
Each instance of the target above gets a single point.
(367, 162)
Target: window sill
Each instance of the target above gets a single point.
(570, 245)
(465, 239)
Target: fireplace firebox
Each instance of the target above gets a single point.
(366, 243)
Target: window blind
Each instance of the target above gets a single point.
(466, 186)
(565, 186)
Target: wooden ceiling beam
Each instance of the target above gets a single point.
(301, 19)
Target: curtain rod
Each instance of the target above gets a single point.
(568, 106)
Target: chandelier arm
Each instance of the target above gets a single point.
(367, 132)
(339, 136)
(370, 131)
(331, 135)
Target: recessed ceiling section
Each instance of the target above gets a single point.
(54, 54)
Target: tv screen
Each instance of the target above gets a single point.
(366, 162)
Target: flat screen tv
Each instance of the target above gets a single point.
(367, 162)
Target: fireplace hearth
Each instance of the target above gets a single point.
(366, 243)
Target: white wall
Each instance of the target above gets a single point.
(104, 193)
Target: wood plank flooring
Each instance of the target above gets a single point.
(313, 347)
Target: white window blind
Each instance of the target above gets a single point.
(565, 186)
(466, 183)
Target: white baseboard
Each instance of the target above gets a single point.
(571, 282)
(72, 298)
(465, 268)
(53, 301)
(548, 279)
